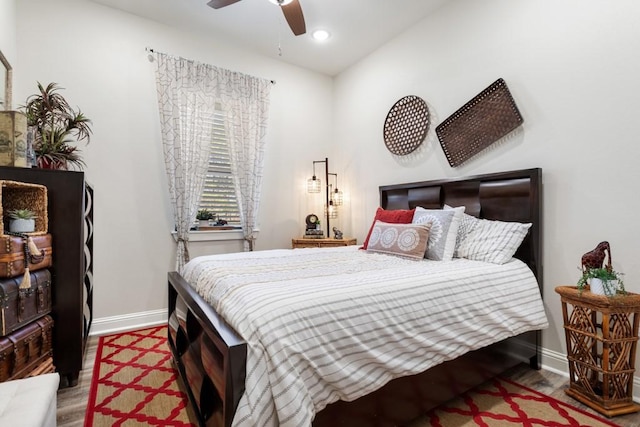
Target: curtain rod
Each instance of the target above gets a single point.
(151, 50)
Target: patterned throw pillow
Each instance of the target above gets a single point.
(406, 240)
(468, 223)
(444, 230)
(493, 241)
(399, 216)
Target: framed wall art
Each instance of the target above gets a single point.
(5, 83)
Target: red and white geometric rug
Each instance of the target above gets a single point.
(502, 403)
(134, 382)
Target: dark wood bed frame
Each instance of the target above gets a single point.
(211, 357)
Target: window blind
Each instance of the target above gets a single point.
(219, 195)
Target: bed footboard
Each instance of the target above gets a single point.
(209, 354)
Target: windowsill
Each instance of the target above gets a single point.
(212, 235)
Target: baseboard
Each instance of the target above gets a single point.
(557, 363)
(128, 322)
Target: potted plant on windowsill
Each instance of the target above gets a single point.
(204, 216)
(55, 127)
(22, 221)
(602, 281)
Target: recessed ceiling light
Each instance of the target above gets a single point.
(320, 35)
(281, 2)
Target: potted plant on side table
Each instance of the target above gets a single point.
(602, 281)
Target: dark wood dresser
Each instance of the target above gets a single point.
(70, 202)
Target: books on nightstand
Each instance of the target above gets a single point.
(314, 234)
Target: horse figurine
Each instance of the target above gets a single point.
(595, 258)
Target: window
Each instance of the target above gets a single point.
(219, 195)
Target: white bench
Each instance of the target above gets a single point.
(29, 402)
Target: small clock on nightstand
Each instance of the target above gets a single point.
(312, 221)
(313, 230)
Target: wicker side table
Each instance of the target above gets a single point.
(602, 337)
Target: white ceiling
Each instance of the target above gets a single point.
(357, 26)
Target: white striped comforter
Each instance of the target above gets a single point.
(329, 324)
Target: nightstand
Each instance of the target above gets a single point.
(321, 243)
(601, 335)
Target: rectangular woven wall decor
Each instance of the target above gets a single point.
(482, 121)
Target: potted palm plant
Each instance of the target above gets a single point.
(56, 128)
(602, 281)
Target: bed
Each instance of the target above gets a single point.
(213, 359)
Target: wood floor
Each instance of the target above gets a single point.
(72, 401)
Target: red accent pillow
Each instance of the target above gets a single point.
(399, 216)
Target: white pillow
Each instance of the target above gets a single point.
(492, 241)
(405, 240)
(444, 230)
(467, 224)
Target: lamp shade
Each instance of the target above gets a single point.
(313, 185)
(332, 212)
(338, 198)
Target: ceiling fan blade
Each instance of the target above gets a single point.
(217, 4)
(293, 14)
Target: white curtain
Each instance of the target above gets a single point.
(247, 109)
(187, 95)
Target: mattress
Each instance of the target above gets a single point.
(338, 323)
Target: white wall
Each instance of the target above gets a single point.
(8, 29)
(8, 32)
(98, 55)
(572, 67)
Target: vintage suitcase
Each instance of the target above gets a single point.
(21, 306)
(45, 367)
(12, 254)
(25, 349)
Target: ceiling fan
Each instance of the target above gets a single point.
(291, 9)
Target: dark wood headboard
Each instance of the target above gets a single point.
(504, 196)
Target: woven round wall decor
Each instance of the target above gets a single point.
(406, 125)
